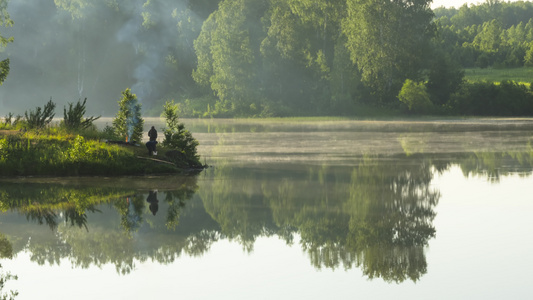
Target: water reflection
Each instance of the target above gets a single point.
(376, 215)
(6, 251)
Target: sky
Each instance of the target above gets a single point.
(457, 3)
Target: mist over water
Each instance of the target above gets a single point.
(394, 208)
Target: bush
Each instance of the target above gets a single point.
(40, 117)
(128, 123)
(73, 118)
(176, 137)
(488, 99)
(415, 96)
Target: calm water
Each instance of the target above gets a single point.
(290, 210)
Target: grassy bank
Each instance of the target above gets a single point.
(61, 154)
(519, 75)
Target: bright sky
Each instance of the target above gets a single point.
(458, 3)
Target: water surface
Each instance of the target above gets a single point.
(290, 210)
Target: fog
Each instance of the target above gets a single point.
(94, 52)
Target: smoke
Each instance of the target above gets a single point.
(96, 54)
(132, 120)
(151, 38)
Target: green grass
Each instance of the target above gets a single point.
(53, 154)
(520, 75)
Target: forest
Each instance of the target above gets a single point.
(275, 58)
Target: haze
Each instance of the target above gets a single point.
(100, 50)
(60, 55)
(456, 3)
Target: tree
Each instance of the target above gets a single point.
(415, 96)
(388, 41)
(227, 50)
(128, 122)
(444, 78)
(489, 39)
(40, 117)
(528, 59)
(6, 251)
(178, 138)
(73, 118)
(5, 21)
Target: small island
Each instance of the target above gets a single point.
(32, 145)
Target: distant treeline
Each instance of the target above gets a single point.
(231, 58)
(492, 34)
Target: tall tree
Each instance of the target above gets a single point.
(128, 122)
(227, 50)
(388, 41)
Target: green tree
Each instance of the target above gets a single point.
(128, 122)
(300, 52)
(73, 118)
(40, 117)
(5, 21)
(227, 49)
(75, 7)
(489, 39)
(178, 138)
(444, 78)
(6, 251)
(388, 41)
(528, 58)
(415, 96)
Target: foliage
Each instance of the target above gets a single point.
(490, 34)
(63, 155)
(73, 118)
(10, 121)
(444, 78)
(6, 251)
(6, 21)
(40, 117)
(388, 41)
(4, 70)
(415, 96)
(507, 98)
(176, 137)
(273, 58)
(128, 122)
(4, 277)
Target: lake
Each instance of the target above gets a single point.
(290, 209)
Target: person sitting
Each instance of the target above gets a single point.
(151, 144)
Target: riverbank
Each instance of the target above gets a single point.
(57, 154)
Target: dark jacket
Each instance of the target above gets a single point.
(152, 134)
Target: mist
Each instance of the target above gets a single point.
(95, 52)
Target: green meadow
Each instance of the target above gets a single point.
(522, 75)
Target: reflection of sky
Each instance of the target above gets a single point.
(482, 251)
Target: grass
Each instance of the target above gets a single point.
(56, 154)
(522, 75)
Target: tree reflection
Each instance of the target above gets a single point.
(131, 212)
(6, 251)
(391, 215)
(68, 211)
(376, 215)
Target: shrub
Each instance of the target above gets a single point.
(415, 96)
(176, 137)
(73, 118)
(40, 117)
(128, 123)
(488, 99)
